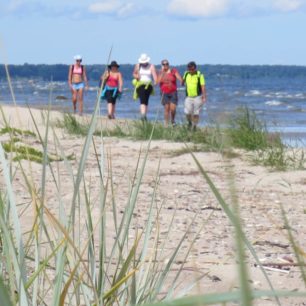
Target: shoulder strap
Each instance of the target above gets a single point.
(185, 75)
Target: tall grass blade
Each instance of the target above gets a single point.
(233, 219)
(227, 297)
(4, 296)
(296, 249)
(19, 264)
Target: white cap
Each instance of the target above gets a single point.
(144, 58)
(78, 57)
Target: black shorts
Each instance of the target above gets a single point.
(110, 97)
(144, 93)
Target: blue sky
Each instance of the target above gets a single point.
(207, 31)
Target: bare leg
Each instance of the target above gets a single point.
(143, 111)
(80, 96)
(189, 120)
(74, 99)
(166, 113)
(111, 110)
(195, 121)
(172, 112)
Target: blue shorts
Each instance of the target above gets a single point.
(168, 98)
(77, 86)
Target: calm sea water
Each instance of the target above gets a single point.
(279, 102)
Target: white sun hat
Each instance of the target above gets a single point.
(77, 57)
(144, 58)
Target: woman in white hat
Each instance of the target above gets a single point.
(145, 74)
(77, 80)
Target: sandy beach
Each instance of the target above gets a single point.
(183, 191)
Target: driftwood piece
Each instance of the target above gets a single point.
(271, 243)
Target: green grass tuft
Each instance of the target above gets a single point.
(246, 131)
(72, 125)
(14, 131)
(29, 153)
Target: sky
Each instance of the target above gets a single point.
(252, 32)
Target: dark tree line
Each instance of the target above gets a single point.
(59, 72)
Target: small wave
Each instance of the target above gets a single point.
(274, 103)
(254, 92)
(93, 88)
(299, 96)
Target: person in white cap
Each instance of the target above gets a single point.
(77, 80)
(144, 73)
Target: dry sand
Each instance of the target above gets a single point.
(181, 187)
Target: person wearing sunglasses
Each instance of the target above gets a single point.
(167, 78)
(194, 82)
(77, 80)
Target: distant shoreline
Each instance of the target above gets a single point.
(59, 72)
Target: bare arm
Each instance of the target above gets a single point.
(85, 76)
(136, 72)
(178, 76)
(70, 76)
(159, 77)
(120, 82)
(203, 87)
(104, 76)
(154, 75)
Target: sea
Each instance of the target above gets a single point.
(278, 101)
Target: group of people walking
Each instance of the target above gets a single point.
(145, 78)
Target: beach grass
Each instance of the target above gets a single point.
(69, 257)
(244, 132)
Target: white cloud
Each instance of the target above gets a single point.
(212, 8)
(104, 7)
(198, 8)
(126, 9)
(288, 5)
(267, 6)
(111, 7)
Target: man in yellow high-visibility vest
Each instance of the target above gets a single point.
(195, 94)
